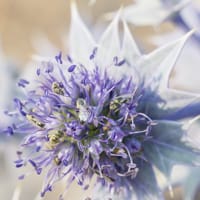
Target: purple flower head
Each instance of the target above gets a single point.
(106, 113)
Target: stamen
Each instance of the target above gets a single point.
(59, 58)
(35, 121)
(93, 53)
(23, 83)
(71, 68)
(57, 160)
(55, 136)
(58, 88)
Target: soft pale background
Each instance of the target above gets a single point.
(21, 23)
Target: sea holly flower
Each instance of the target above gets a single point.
(106, 111)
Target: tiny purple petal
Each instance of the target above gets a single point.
(69, 59)
(92, 56)
(18, 165)
(32, 163)
(59, 58)
(23, 83)
(120, 63)
(49, 68)
(21, 177)
(71, 68)
(10, 130)
(38, 71)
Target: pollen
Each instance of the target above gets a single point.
(35, 121)
(55, 136)
(58, 88)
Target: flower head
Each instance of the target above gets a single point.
(107, 111)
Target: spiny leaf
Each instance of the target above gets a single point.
(167, 144)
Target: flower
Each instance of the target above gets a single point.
(106, 111)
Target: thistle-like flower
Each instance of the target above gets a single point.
(106, 111)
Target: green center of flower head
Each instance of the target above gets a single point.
(86, 124)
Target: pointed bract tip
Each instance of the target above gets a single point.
(73, 8)
(171, 192)
(189, 34)
(116, 16)
(125, 25)
(190, 123)
(17, 192)
(113, 15)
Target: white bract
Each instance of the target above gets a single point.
(151, 13)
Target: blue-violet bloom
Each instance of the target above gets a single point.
(106, 111)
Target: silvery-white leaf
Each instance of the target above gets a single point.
(167, 143)
(109, 43)
(179, 104)
(192, 127)
(191, 181)
(145, 13)
(186, 67)
(104, 193)
(191, 184)
(81, 42)
(16, 194)
(171, 104)
(143, 186)
(190, 15)
(129, 50)
(157, 65)
(129, 53)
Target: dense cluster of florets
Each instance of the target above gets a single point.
(82, 123)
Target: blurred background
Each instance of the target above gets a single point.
(41, 27)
